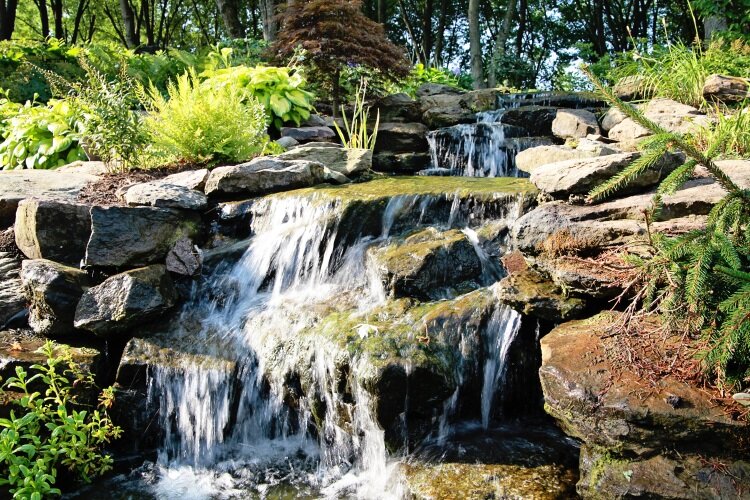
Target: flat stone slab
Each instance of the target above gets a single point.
(165, 195)
(16, 185)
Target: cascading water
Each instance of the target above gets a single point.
(225, 408)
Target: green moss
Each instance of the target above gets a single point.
(387, 187)
(401, 257)
(605, 460)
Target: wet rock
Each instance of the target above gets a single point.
(574, 123)
(671, 115)
(164, 195)
(529, 159)
(12, 301)
(402, 138)
(125, 301)
(53, 291)
(602, 403)
(16, 185)
(402, 163)
(398, 108)
(136, 236)
(426, 262)
(581, 277)
(726, 88)
(578, 177)
(533, 294)
(346, 161)
(185, 258)
(537, 120)
(53, 230)
(191, 179)
(268, 175)
(447, 109)
(309, 134)
(669, 476)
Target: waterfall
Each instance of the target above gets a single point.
(501, 331)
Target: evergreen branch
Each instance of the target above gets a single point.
(647, 160)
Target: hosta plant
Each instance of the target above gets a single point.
(280, 90)
(41, 136)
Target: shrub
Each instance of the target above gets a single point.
(280, 90)
(41, 136)
(54, 430)
(205, 123)
(699, 282)
(419, 75)
(679, 71)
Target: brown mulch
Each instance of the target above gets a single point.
(104, 191)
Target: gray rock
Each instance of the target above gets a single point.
(721, 88)
(574, 123)
(345, 161)
(670, 115)
(425, 262)
(185, 258)
(85, 167)
(164, 195)
(402, 163)
(287, 142)
(136, 236)
(402, 138)
(53, 291)
(578, 177)
(398, 108)
(630, 88)
(447, 109)
(12, 300)
(267, 175)
(191, 179)
(530, 159)
(536, 120)
(612, 118)
(54, 230)
(125, 301)
(314, 121)
(308, 134)
(16, 185)
(535, 295)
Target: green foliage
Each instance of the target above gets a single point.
(698, 282)
(419, 75)
(355, 134)
(40, 136)
(280, 90)
(205, 122)
(53, 431)
(679, 71)
(731, 134)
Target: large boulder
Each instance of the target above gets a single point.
(726, 88)
(529, 159)
(398, 108)
(401, 138)
(136, 236)
(536, 120)
(53, 291)
(54, 230)
(451, 108)
(430, 89)
(533, 294)
(402, 163)
(191, 179)
(125, 301)
(670, 115)
(269, 175)
(16, 185)
(309, 134)
(346, 161)
(425, 263)
(12, 301)
(574, 123)
(577, 177)
(164, 195)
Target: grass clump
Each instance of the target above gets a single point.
(53, 432)
(201, 123)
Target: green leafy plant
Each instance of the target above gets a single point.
(420, 74)
(356, 133)
(41, 136)
(53, 430)
(699, 281)
(280, 90)
(204, 122)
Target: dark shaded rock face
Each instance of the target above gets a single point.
(137, 236)
(126, 300)
(537, 120)
(401, 138)
(53, 290)
(402, 163)
(53, 230)
(636, 442)
(12, 301)
(426, 262)
(398, 108)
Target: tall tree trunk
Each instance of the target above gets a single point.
(57, 15)
(382, 11)
(501, 40)
(268, 14)
(230, 14)
(522, 16)
(82, 4)
(440, 33)
(43, 16)
(7, 18)
(475, 45)
(128, 21)
(427, 35)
